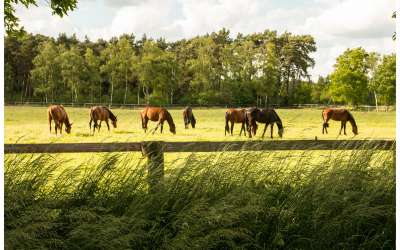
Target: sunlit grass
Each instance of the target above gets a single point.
(226, 200)
(29, 125)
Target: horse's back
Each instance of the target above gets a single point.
(236, 115)
(57, 112)
(336, 114)
(153, 113)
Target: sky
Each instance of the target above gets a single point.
(335, 24)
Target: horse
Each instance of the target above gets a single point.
(267, 116)
(103, 114)
(342, 115)
(60, 117)
(235, 116)
(157, 114)
(188, 117)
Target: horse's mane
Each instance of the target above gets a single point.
(351, 119)
(278, 119)
(112, 116)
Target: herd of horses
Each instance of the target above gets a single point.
(248, 118)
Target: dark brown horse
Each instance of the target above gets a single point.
(342, 115)
(60, 117)
(101, 113)
(188, 117)
(159, 115)
(267, 116)
(235, 116)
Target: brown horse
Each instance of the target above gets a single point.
(101, 113)
(60, 117)
(267, 116)
(157, 114)
(342, 115)
(235, 116)
(188, 117)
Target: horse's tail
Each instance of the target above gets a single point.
(193, 120)
(226, 122)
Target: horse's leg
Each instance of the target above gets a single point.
(61, 124)
(272, 129)
(50, 124)
(232, 123)
(240, 134)
(55, 126)
(341, 127)
(99, 126)
(108, 126)
(344, 127)
(145, 121)
(244, 128)
(265, 129)
(90, 124)
(162, 126)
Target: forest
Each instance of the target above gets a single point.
(217, 68)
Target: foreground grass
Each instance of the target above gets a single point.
(216, 201)
(29, 125)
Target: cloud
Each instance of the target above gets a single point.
(40, 20)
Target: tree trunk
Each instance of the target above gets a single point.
(376, 101)
(126, 85)
(266, 101)
(172, 93)
(112, 93)
(138, 94)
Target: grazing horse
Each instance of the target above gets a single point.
(235, 116)
(157, 114)
(60, 117)
(188, 117)
(101, 113)
(342, 115)
(267, 116)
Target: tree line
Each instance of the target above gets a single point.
(216, 68)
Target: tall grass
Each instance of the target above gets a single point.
(243, 200)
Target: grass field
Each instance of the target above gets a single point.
(226, 200)
(29, 125)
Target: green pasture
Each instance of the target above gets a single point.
(29, 125)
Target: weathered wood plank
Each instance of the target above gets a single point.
(201, 146)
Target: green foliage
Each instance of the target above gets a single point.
(349, 81)
(383, 82)
(256, 69)
(242, 200)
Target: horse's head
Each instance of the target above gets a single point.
(68, 128)
(114, 122)
(193, 122)
(355, 130)
(172, 128)
(280, 129)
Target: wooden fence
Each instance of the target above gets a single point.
(154, 150)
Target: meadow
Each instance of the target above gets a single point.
(225, 200)
(29, 125)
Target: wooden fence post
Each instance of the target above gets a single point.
(154, 152)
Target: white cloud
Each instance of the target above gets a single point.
(40, 20)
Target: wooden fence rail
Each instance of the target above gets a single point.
(154, 150)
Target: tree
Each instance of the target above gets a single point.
(46, 72)
(73, 71)
(93, 75)
(349, 81)
(59, 7)
(384, 80)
